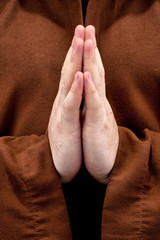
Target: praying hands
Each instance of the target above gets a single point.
(93, 132)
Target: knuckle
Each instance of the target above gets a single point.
(66, 107)
(73, 91)
(93, 91)
(76, 93)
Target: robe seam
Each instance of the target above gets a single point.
(30, 201)
(141, 214)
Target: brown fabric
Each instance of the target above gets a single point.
(31, 200)
(32, 204)
(3, 5)
(129, 44)
(34, 39)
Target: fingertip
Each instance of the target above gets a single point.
(77, 85)
(90, 26)
(79, 31)
(89, 32)
(88, 83)
(87, 75)
(92, 99)
(80, 74)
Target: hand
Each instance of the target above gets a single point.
(64, 129)
(100, 132)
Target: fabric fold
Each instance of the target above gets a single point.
(32, 204)
(131, 205)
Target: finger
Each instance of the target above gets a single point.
(72, 63)
(78, 33)
(90, 65)
(92, 101)
(90, 34)
(72, 102)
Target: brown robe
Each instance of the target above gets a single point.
(34, 38)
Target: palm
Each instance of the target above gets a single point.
(64, 128)
(100, 131)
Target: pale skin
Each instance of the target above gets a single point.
(98, 134)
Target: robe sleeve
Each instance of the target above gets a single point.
(131, 207)
(32, 204)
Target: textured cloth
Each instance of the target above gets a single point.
(34, 39)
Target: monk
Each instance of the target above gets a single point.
(79, 120)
